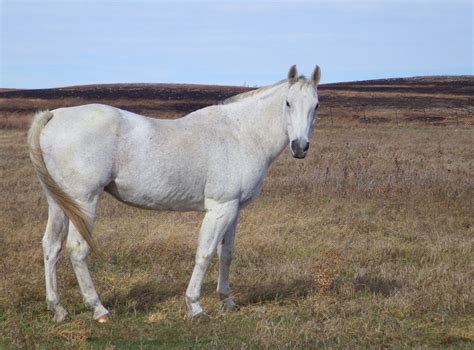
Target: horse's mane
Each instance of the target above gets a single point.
(251, 93)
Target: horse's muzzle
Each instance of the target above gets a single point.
(299, 148)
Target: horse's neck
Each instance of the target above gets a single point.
(261, 119)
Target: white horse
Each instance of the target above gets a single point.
(214, 160)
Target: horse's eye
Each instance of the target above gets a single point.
(317, 107)
(288, 104)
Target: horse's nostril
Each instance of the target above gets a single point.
(293, 145)
(306, 148)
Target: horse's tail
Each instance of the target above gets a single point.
(73, 210)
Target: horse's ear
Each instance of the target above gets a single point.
(316, 76)
(293, 74)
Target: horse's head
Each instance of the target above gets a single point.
(300, 107)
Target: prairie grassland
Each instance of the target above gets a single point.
(366, 243)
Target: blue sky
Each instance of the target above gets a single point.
(51, 44)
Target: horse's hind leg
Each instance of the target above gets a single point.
(52, 242)
(78, 251)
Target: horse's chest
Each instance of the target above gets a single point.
(252, 185)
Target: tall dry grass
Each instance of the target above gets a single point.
(366, 243)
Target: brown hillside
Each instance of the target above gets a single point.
(439, 100)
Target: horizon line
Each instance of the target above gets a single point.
(238, 86)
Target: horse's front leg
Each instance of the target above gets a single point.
(218, 219)
(225, 251)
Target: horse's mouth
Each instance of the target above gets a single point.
(299, 155)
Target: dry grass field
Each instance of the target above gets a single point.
(369, 246)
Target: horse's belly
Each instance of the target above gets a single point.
(159, 196)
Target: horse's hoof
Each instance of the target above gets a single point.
(60, 315)
(229, 307)
(104, 319)
(200, 316)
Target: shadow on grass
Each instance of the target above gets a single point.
(276, 290)
(376, 285)
(143, 297)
